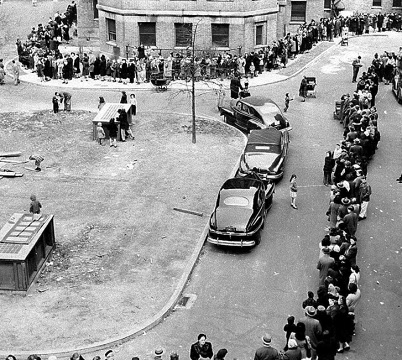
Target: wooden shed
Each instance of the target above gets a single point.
(26, 242)
(108, 111)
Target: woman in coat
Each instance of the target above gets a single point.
(303, 88)
(329, 163)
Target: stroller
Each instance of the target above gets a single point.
(311, 84)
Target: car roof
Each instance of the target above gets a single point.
(268, 136)
(257, 100)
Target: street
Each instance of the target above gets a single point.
(240, 295)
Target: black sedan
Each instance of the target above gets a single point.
(265, 153)
(240, 211)
(254, 112)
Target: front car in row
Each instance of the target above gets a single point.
(240, 211)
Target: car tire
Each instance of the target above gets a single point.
(258, 238)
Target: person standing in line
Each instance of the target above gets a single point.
(113, 129)
(55, 102)
(266, 351)
(288, 99)
(329, 164)
(364, 195)
(16, 72)
(313, 329)
(289, 328)
(133, 102)
(356, 64)
(293, 191)
(324, 263)
(202, 349)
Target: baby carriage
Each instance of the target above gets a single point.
(311, 84)
(345, 39)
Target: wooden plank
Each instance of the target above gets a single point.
(13, 161)
(11, 154)
(10, 174)
(189, 211)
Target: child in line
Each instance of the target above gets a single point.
(100, 132)
(289, 328)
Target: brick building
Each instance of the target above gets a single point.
(234, 25)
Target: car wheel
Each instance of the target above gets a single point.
(258, 238)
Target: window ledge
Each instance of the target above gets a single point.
(296, 22)
(112, 43)
(377, 7)
(221, 48)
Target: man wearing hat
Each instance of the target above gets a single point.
(158, 353)
(266, 351)
(313, 328)
(364, 196)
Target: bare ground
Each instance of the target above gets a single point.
(121, 247)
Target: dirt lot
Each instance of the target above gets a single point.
(120, 246)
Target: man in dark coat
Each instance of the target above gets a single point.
(235, 87)
(266, 352)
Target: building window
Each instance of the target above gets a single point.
(298, 11)
(220, 35)
(397, 3)
(327, 4)
(184, 34)
(96, 11)
(377, 3)
(111, 29)
(147, 33)
(259, 39)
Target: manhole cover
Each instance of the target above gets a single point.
(186, 301)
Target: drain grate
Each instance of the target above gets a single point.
(186, 301)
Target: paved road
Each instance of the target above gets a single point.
(241, 295)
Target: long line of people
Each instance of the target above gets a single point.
(40, 52)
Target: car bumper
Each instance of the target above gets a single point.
(264, 176)
(232, 243)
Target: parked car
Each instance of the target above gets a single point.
(240, 211)
(265, 153)
(253, 113)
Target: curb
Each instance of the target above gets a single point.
(160, 315)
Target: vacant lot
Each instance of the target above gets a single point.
(120, 246)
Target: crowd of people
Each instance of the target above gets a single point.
(41, 53)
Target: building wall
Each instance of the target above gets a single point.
(88, 27)
(241, 15)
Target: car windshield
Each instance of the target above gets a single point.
(237, 201)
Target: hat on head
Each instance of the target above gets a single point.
(321, 308)
(292, 344)
(266, 339)
(340, 185)
(356, 141)
(310, 311)
(345, 201)
(351, 208)
(159, 352)
(326, 250)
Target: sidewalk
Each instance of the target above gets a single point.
(293, 68)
